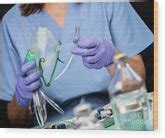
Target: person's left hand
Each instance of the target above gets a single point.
(96, 52)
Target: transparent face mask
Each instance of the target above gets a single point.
(45, 49)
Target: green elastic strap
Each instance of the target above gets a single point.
(47, 83)
(42, 60)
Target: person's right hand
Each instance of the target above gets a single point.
(27, 84)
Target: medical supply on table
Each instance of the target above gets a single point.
(103, 112)
(104, 115)
(42, 42)
(128, 97)
(84, 118)
(96, 52)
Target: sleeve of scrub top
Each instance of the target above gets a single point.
(129, 33)
(10, 64)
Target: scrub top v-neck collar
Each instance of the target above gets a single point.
(43, 19)
(54, 26)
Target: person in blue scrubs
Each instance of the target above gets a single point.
(115, 26)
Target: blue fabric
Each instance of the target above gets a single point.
(117, 22)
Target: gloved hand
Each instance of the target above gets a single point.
(96, 52)
(27, 84)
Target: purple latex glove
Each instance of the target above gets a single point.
(96, 52)
(27, 84)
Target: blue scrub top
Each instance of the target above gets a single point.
(117, 22)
